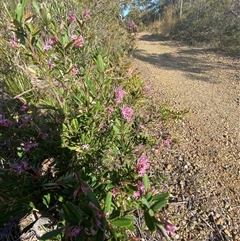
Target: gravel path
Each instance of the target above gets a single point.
(203, 161)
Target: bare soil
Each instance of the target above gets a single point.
(203, 161)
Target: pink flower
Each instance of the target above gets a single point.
(47, 47)
(51, 65)
(74, 71)
(29, 145)
(75, 193)
(119, 94)
(52, 41)
(141, 190)
(75, 231)
(142, 165)
(84, 187)
(79, 42)
(24, 107)
(147, 88)
(110, 110)
(169, 227)
(73, 37)
(127, 113)
(132, 26)
(85, 146)
(5, 122)
(71, 17)
(14, 42)
(86, 14)
(19, 168)
(167, 143)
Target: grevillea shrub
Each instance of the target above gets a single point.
(70, 133)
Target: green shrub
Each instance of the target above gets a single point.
(69, 128)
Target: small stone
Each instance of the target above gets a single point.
(220, 221)
(169, 166)
(226, 231)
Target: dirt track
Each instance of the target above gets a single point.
(205, 163)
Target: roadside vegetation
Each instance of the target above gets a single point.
(212, 23)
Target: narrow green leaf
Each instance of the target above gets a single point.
(145, 202)
(99, 236)
(115, 214)
(71, 213)
(149, 222)
(116, 130)
(19, 13)
(161, 196)
(80, 236)
(158, 205)
(146, 182)
(36, 6)
(86, 209)
(51, 234)
(108, 202)
(122, 222)
(93, 198)
(100, 64)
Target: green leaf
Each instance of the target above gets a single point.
(93, 198)
(161, 196)
(122, 222)
(19, 13)
(113, 233)
(100, 235)
(86, 209)
(108, 202)
(91, 87)
(100, 64)
(51, 234)
(80, 237)
(116, 130)
(74, 124)
(146, 182)
(145, 202)
(149, 222)
(115, 214)
(151, 213)
(36, 6)
(158, 205)
(71, 213)
(46, 200)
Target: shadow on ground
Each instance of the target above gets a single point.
(196, 63)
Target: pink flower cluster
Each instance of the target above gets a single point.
(141, 190)
(19, 168)
(71, 17)
(5, 122)
(29, 145)
(132, 26)
(78, 41)
(49, 44)
(86, 14)
(74, 71)
(142, 165)
(119, 94)
(14, 42)
(169, 227)
(127, 113)
(167, 143)
(75, 231)
(84, 187)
